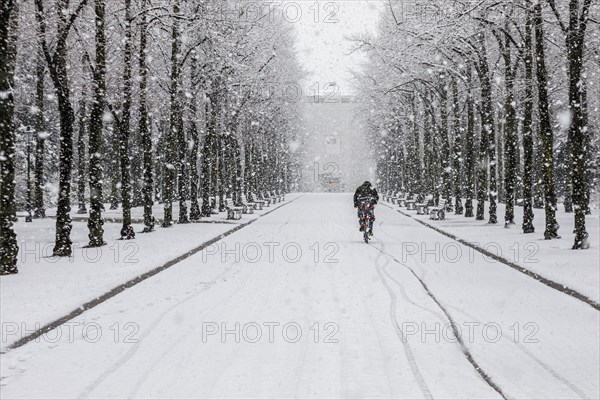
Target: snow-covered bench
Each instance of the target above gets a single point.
(258, 203)
(273, 194)
(233, 211)
(394, 197)
(250, 204)
(261, 199)
(267, 196)
(214, 208)
(423, 207)
(281, 195)
(438, 212)
(402, 200)
(411, 203)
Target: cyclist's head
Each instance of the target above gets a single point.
(367, 183)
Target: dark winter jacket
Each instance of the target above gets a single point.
(365, 190)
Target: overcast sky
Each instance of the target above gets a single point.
(322, 48)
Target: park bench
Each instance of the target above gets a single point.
(214, 207)
(250, 204)
(402, 200)
(265, 201)
(233, 211)
(254, 199)
(438, 212)
(273, 194)
(267, 196)
(423, 207)
(387, 195)
(394, 197)
(410, 203)
(281, 195)
(246, 207)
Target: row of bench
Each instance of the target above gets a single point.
(423, 208)
(265, 199)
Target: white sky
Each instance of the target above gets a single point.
(322, 29)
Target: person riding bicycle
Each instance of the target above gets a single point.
(365, 190)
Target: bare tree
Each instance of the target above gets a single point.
(95, 221)
(57, 66)
(546, 134)
(124, 128)
(9, 248)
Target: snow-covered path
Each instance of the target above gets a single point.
(296, 305)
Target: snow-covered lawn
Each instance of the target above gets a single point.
(48, 287)
(552, 259)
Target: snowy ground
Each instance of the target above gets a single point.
(47, 287)
(296, 305)
(552, 259)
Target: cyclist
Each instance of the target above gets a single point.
(365, 190)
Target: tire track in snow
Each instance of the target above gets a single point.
(407, 349)
(545, 281)
(574, 388)
(546, 367)
(455, 331)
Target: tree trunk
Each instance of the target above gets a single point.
(115, 170)
(588, 149)
(546, 134)
(173, 133)
(527, 128)
(510, 136)
(81, 155)
(238, 179)
(482, 179)
(144, 132)
(62, 246)
(221, 171)
(124, 130)
(248, 168)
(417, 169)
(578, 131)
(182, 179)
(428, 150)
(488, 128)
(209, 159)
(470, 147)
(444, 136)
(567, 181)
(9, 248)
(194, 136)
(457, 151)
(40, 142)
(95, 221)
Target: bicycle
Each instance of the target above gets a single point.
(366, 216)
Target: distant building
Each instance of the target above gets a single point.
(336, 154)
